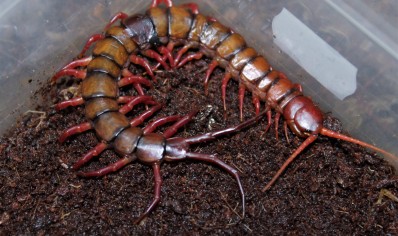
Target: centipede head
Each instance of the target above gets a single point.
(303, 116)
(306, 120)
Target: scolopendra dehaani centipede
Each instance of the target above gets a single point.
(155, 35)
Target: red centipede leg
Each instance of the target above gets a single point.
(125, 99)
(144, 63)
(155, 3)
(108, 169)
(277, 117)
(94, 38)
(269, 118)
(89, 155)
(79, 74)
(182, 51)
(79, 62)
(191, 57)
(209, 71)
(157, 188)
(134, 79)
(211, 19)
(151, 127)
(139, 89)
(174, 128)
(191, 6)
(154, 55)
(77, 129)
(256, 103)
(286, 132)
(117, 16)
(307, 142)
(224, 84)
(181, 121)
(242, 90)
(137, 86)
(167, 54)
(140, 119)
(298, 87)
(72, 102)
(136, 100)
(170, 45)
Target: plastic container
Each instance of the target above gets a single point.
(39, 36)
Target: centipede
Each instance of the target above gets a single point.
(166, 34)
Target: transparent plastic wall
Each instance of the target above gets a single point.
(37, 37)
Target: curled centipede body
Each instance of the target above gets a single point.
(242, 63)
(105, 72)
(155, 35)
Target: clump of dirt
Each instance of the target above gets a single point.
(332, 188)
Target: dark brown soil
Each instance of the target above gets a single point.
(332, 188)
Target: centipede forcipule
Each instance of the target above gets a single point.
(163, 29)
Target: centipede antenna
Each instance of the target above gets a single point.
(336, 135)
(307, 142)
